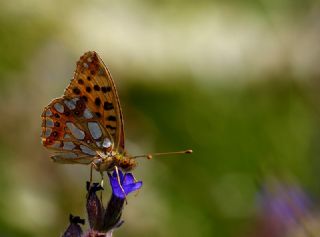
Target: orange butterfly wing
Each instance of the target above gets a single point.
(92, 81)
(88, 118)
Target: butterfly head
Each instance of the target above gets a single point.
(127, 163)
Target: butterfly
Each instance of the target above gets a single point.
(85, 125)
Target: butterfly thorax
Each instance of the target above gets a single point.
(108, 161)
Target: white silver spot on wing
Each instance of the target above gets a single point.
(87, 150)
(95, 130)
(68, 145)
(47, 132)
(48, 112)
(74, 100)
(101, 72)
(71, 104)
(85, 65)
(106, 143)
(67, 135)
(59, 107)
(68, 155)
(87, 114)
(56, 144)
(89, 59)
(76, 132)
(49, 122)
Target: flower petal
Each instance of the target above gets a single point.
(128, 179)
(119, 193)
(114, 175)
(132, 187)
(127, 182)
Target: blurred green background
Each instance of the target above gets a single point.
(236, 81)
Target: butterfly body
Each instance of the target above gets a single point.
(85, 125)
(108, 162)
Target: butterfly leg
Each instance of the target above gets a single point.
(92, 165)
(91, 168)
(118, 178)
(137, 192)
(102, 179)
(101, 184)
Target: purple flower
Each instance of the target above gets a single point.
(127, 183)
(103, 221)
(282, 207)
(95, 208)
(74, 229)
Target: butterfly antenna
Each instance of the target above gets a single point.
(150, 156)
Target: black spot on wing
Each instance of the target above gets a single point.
(105, 89)
(97, 101)
(112, 118)
(84, 98)
(96, 88)
(76, 90)
(110, 127)
(108, 106)
(88, 89)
